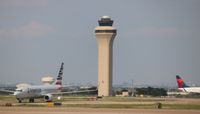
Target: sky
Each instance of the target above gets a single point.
(156, 40)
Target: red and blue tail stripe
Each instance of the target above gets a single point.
(181, 83)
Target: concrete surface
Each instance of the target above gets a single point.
(63, 110)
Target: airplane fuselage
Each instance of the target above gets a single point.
(190, 89)
(38, 91)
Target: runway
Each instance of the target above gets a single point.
(64, 110)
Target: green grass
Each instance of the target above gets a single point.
(124, 106)
(132, 99)
(7, 98)
(138, 106)
(181, 106)
(108, 102)
(76, 98)
(114, 99)
(31, 105)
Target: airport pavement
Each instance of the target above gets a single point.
(64, 110)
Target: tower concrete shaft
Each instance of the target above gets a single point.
(105, 35)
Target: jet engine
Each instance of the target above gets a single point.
(48, 97)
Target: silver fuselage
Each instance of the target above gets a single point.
(37, 91)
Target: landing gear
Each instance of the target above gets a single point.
(19, 100)
(31, 100)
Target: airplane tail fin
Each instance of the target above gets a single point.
(180, 82)
(60, 74)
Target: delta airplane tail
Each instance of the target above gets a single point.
(184, 87)
(60, 74)
(180, 82)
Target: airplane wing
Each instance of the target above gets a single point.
(83, 91)
(7, 91)
(71, 92)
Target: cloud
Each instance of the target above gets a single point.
(23, 3)
(31, 29)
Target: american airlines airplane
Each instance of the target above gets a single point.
(46, 91)
(184, 87)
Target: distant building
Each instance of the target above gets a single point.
(123, 93)
(22, 85)
(47, 80)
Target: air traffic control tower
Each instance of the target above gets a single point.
(105, 35)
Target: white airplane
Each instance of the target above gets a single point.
(46, 91)
(182, 86)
